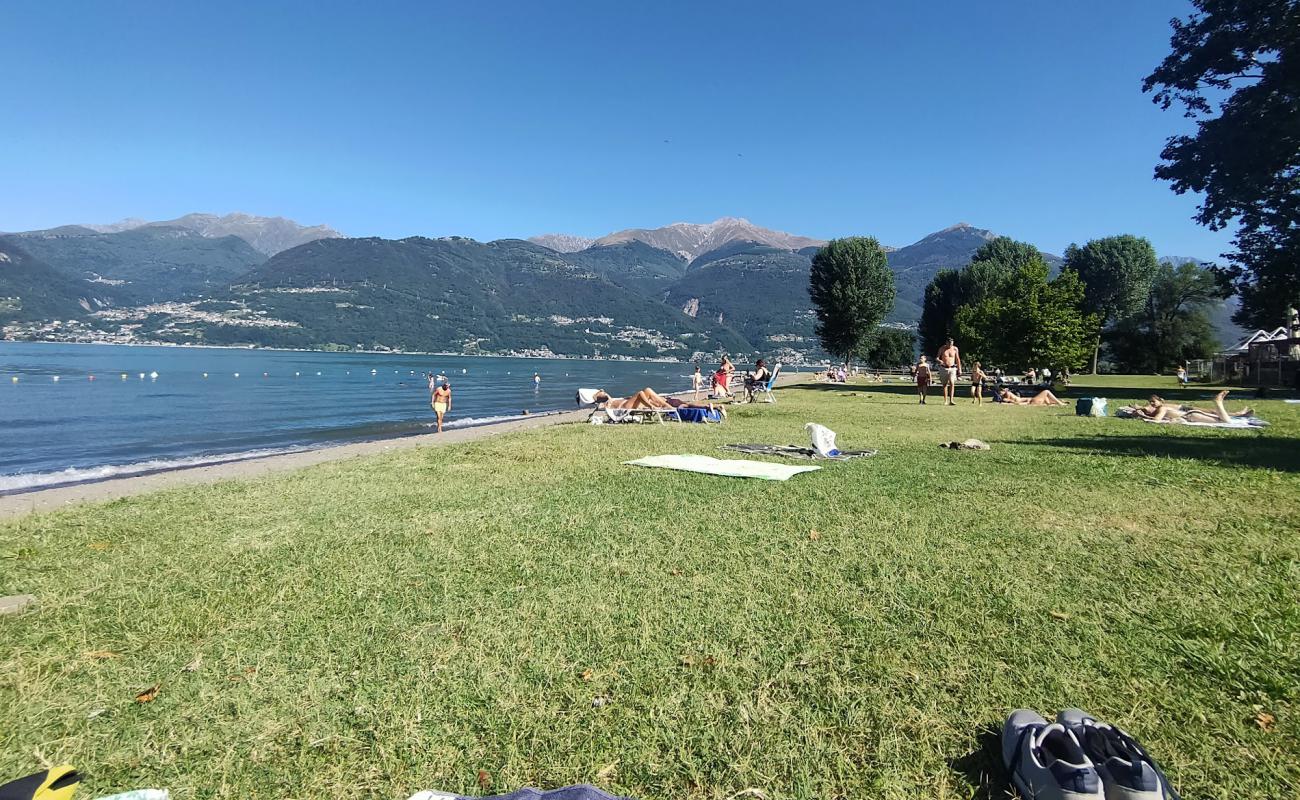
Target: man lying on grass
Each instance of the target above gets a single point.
(649, 398)
(1157, 410)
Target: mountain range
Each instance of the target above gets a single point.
(268, 235)
(679, 291)
(687, 240)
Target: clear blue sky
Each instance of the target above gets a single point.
(495, 119)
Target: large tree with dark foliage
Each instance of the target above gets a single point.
(893, 347)
(989, 270)
(1173, 323)
(1029, 321)
(1116, 274)
(852, 290)
(1235, 69)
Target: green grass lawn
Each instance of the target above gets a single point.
(528, 607)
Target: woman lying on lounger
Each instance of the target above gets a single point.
(1043, 398)
(1158, 410)
(649, 398)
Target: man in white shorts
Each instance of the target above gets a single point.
(949, 368)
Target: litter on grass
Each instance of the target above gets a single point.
(794, 451)
(969, 444)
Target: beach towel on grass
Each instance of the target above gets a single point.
(698, 414)
(733, 468)
(794, 451)
(1237, 423)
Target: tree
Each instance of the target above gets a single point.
(939, 308)
(852, 291)
(892, 347)
(989, 269)
(1029, 321)
(1245, 161)
(1116, 274)
(1173, 325)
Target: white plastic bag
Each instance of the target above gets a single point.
(823, 440)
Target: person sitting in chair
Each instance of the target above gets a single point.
(757, 380)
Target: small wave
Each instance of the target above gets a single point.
(23, 482)
(474, 422)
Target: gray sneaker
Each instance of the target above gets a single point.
(1127, 772)
(1046, 761)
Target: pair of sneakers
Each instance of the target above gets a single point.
(1078, 757)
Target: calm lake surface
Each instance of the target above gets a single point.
(77, 429)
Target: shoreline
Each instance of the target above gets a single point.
(41, 500)
(21, 503)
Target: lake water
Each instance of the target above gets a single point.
(196, 411)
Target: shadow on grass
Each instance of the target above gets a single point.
(1244, 448)
(982, 767)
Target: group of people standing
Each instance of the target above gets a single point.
(720, 385)
(949, 366)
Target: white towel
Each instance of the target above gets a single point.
(587, 397)
(733, 468)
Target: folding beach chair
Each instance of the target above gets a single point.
(765, 389)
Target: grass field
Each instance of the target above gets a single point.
(527, 607)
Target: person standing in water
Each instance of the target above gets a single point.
(950, 365)
(442, 402)
(537, 381)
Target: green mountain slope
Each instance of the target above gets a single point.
(31, 290)
(633, 265)
(452, 294)
(144, 265)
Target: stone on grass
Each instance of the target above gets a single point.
(16, 604)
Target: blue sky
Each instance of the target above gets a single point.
(495, 119)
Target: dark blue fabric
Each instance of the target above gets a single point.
(580, 792)
(698, 415)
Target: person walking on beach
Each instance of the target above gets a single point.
(697, 383)
(922, 372)
(977, 377)
(442, 402)
(950, 365)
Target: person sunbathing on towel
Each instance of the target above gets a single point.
(1043, 398)
(1158, 410)
(649, 398)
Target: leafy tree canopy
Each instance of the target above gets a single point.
(1235, 69)
(893, 347)
(989, 271)
(852, 290)
(1173, 324)
(1029, 321)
